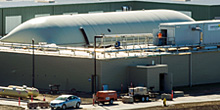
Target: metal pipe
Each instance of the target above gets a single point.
(95, 64)
(84, 35)
(33, 68)
(95, 61)
(190, 70)
(2, 22)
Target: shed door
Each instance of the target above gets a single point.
(162, 82)
(164, 36)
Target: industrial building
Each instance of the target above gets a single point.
(15, 12)
(112, 49)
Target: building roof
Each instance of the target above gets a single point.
(27, 3)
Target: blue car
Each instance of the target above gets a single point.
(65, 101)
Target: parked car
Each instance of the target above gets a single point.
(65, 101)
(106, 96)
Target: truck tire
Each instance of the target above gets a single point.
(111, 101)
(143, 99)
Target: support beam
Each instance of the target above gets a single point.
(84, 35)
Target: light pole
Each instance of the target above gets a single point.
(99, 36)
(33, 75)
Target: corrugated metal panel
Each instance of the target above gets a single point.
(41, 15)
(199, 12)
(70, 13)
(27, 12)
(1, 23)
(65, 29)
(25, 3)
(85, 8)
(214, 12)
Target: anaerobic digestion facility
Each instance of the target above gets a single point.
(160, 49)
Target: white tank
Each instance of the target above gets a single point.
(13, 92)
(30, 90)
(65, 29)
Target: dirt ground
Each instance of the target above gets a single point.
(200, 89)
(189, 91)
(190, 106)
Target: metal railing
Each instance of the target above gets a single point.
(131, 50)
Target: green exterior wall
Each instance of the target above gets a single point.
(198, 12)
(85, 8)
(1, 23)
(214, 10)
(28, 12)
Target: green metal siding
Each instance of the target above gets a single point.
(1, 23)
(26, 12)
(214, 12)
(85, 8)
(198, 12)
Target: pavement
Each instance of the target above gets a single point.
(118, 105)
(13, 102)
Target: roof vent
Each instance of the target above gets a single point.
(45, 1)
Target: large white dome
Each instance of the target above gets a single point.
(65, 29)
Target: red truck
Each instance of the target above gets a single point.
(106, 96)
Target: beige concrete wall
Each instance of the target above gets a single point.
(205, 68)
(67, 72)
(147, 76)
(72, 72)
(153, 77)
(178, 65)
(115, 71)
(15, 69)
(138, 76)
